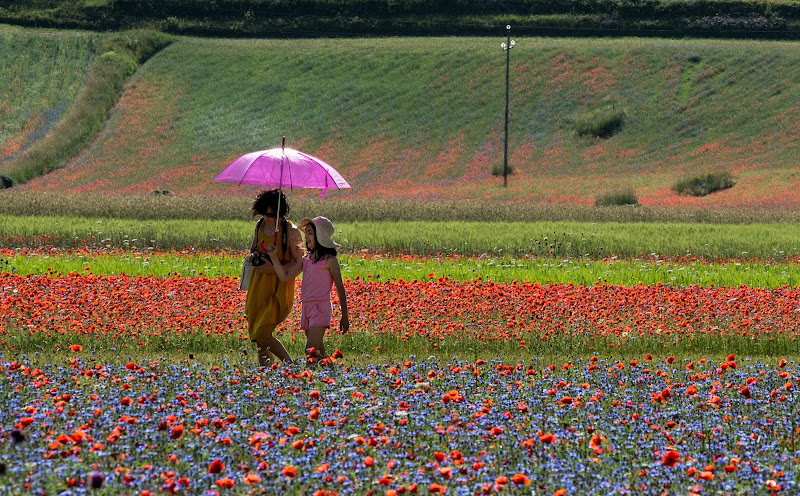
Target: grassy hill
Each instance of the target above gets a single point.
(422, 118)
(40, 74)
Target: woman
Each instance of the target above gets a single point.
(269, 300)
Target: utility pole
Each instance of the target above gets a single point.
(507, 46)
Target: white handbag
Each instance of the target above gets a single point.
(247, 272)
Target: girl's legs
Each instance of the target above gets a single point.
(314, 339)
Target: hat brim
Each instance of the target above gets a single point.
(322, 238)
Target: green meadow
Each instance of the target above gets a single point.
(546, 270)
(757, 255)
(518, 239)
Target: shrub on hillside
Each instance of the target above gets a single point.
(497, 169)
(139, 44)
(602, 121)
(617, 198)
(704, 184)
(123, 65)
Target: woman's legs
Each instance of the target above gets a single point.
(270, 348)
(265, 357)
(276, 347)
(315, 339)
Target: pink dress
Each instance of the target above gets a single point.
(315, 294)
(317, 280)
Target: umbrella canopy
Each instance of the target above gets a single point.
(282, 168)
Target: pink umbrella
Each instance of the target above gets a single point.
(282, 168)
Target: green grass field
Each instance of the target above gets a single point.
(517, 239)
(545, 270)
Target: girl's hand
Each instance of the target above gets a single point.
(344, 324)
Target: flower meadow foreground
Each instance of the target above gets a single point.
(592, 426)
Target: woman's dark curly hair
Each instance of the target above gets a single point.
(267, 200)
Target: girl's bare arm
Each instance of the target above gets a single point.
(336, 273)
(284, 272)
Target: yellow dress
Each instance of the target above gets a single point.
(269, 299)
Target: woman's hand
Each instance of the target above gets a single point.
(251, 256)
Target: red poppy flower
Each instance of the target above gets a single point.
(176, 432)
(520, 479)
(251, 479)
(225, 483)
(670, 458)
(547, 438)
(289, 471)
(216, 467)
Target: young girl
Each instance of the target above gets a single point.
(321, 271)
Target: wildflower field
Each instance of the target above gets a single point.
(500, 343)
(126, 370)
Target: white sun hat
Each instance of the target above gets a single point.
(324, 228)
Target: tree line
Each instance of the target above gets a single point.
(778, 19)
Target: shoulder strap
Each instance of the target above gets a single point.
(284, 237)
(258, 230)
